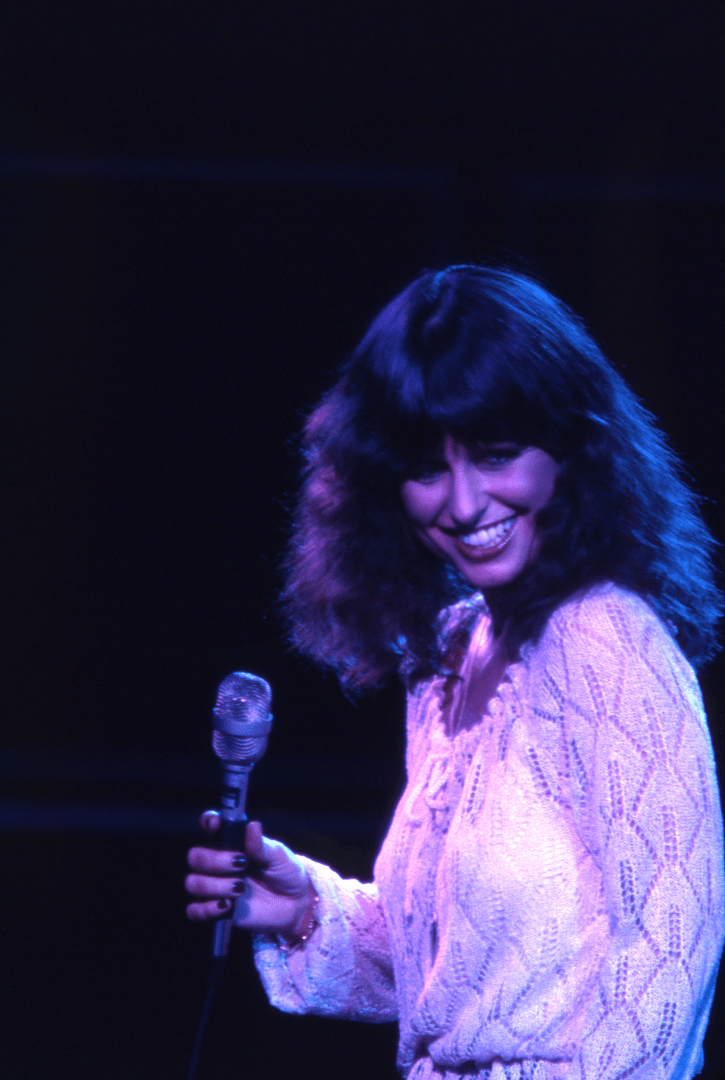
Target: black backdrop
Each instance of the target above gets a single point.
(202, 207)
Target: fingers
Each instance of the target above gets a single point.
(268, 879)
(210, 821)
(211, 861)
(217, 879)
(204, 886)
(210, 909)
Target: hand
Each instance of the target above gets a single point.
(277, 895)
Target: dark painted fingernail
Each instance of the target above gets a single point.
(223, 904)
(239, 886)
(239, 862)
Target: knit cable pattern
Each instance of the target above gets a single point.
(548, 904)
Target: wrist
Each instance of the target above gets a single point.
(306, 921)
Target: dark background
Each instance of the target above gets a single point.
(201, 207)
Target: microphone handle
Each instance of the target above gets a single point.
(231, 837)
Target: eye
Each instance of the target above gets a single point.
(494, 456)
(427, 472)
(428, 476)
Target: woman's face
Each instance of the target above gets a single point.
(477, 508)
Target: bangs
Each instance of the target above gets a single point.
(485, 356)
(478, 396)
(482, 398)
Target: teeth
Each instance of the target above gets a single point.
(484, 537)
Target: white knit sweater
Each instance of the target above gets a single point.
(548, 903)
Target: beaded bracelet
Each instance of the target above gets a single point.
(310, 922)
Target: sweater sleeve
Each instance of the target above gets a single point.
(344, 968)
(626, 749)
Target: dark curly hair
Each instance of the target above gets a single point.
(486, 355)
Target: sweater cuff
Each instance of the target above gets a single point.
(314, 975)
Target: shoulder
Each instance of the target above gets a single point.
(608, 620)
(608, 654)
(608, 698)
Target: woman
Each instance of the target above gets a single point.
(489, 511)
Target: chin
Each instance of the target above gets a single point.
(490, 576)
(491, 581)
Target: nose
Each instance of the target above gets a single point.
(467, 495)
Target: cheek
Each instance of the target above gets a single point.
(420, 502)
(538, 481)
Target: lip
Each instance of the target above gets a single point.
(478, 553)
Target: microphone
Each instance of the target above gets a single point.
(241, 722)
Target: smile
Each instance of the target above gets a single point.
(488, 541)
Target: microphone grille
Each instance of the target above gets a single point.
(242, 751)
(245, 699)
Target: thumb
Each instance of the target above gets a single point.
(254, 844)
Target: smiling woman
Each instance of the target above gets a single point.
(478, 508)
(488, 511)
(486, 360)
